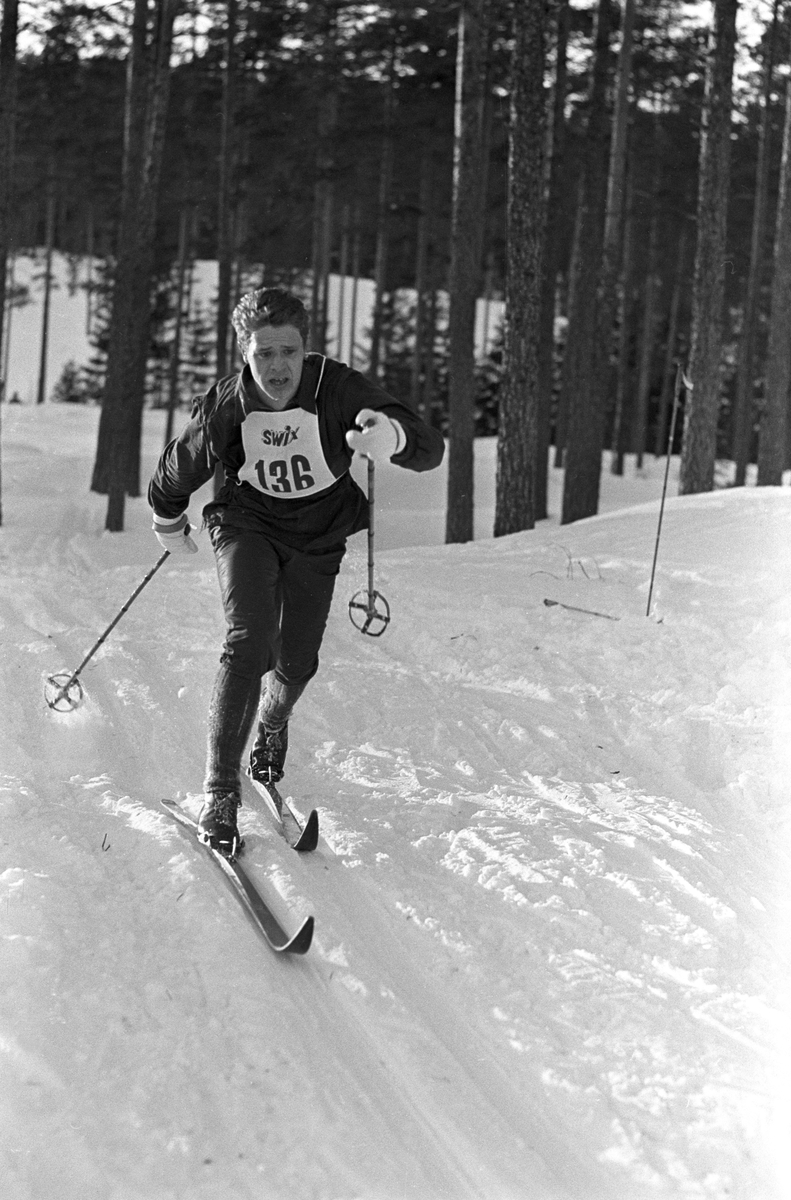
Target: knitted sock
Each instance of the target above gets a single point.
(277, 703)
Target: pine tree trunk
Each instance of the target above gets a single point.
(520, 404)
(621, 416)
(156, 119)
(116, 468)
(110, 466)
(8, 72)
(488, 290)
(327, 74)
(89, 251)
(646, 359)
(743, 401)
(325, 259)
(382, 230)
(567, 365)
(469, 155)
(699, 450)
(224, 201)
(175, 345)
(421, 276)
(6, 338)
(343, 268)
(355, 287)
(551, 266)
(585, 435)
(429, 364)
(646, 356)
(669, 372)
(773, 434)
(41, 392)
(323, 204)
(612, 253)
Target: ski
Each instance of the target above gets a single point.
(300, 837)
(247, 894)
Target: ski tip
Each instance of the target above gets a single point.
(300, 942)
(309, 838)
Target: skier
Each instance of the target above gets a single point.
(284, 430)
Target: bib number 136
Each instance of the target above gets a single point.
(283, 475)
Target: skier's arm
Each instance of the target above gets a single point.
(419, 447)
(185, 465)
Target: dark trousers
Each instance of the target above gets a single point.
(276, 602)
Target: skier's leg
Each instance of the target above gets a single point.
(308, 581)
(232, 710)
(248, 568)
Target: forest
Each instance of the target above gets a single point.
(617, 174)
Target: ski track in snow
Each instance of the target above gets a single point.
(551, 896)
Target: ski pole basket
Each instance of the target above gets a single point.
(374, 609)
(63, 692)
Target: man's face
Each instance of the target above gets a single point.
(276, 355)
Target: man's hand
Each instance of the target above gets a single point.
(174, 535)
(379, 437)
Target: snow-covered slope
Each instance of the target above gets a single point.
(551, 902)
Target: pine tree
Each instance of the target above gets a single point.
(553, 254)
(772, 442)
(744, 403)
(116, 468)
(700, 427)
(470, 152)
(518, 441)
(614, 224)
(224, 213)
(8, 68)
(585, 435)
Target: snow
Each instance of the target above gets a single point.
(551, 900)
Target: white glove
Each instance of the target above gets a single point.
(379, 437)
(174, 535)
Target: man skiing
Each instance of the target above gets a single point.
(284, 430)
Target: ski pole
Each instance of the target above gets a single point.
(591, 612)
(68, 690)
(681, 379)
(373, 615)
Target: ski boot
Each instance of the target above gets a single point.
(268, 755)
(217, 823)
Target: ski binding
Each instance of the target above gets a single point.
(300, 837)
(247, 894)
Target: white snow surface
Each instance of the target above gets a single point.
(551, 898)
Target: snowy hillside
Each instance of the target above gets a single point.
(551, 902)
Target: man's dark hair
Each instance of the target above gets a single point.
(268, 306)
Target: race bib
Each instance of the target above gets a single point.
(283, 456)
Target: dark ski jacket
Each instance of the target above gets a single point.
(333, 391)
